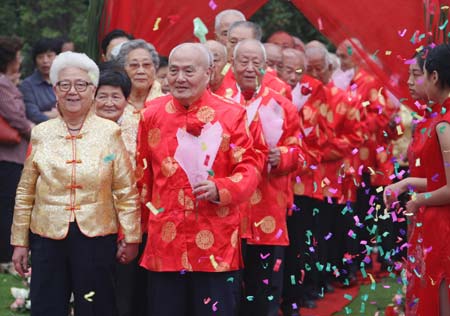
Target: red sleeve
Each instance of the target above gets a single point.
(289, 142)
(243, 166)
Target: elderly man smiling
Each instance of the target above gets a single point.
(193, 250)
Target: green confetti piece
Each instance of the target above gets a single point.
(364, 297)
(363, 271)
(427, 195)
(315, 187)
(373, 230)
(385, 234)
(443, 111)
(250, 298)
(230, 279)
(349, 50)
(348, 310)
(374, 55)
(293, 282)
(319, 266)
(270, 297)
(373, 286)
(421, 36)
(348, 297)
(442, 129)
(109, 158)
(419, 224)
(308, 236)
(307, 267)
(444, 25)
(328, 268)
(346, 282)
(262, 71)
(363, 308)
(200, 29)
(315, 211)
(423, 130)
(211, 173)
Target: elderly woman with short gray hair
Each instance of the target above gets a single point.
(140, 61)
(76, 192)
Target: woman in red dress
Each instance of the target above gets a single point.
(430, 193)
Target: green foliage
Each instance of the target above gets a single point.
(32, 19)
(278, 15)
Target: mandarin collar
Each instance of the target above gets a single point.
(195, 105)
(87, 126)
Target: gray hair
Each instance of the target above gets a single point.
(76, 60)
(318, 50)
(205, 51)
(210, 43)
(246, 41)
(257, 31)
(219, 17)
(127, 47)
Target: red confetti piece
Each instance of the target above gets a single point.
(276, 267)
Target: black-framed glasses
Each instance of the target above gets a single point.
(66, 85)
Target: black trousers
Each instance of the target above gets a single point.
(9, 179)
(263, 280)
(79, 264)
(328, 222)
(193, 293)
(131, 286)
(300, 273)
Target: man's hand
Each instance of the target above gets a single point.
(20, 260)
(206, 190)
(126, 252)
(274, 157)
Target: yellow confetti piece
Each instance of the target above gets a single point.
(213, 261)
(225, 69)
(372, 280)
(419, 49)
(152, 208)
(204, 146)
(418, 162)
(145, 163)
(372, 172)
(388, 52)
(366, 103)
(88, 296)
(379, 189)
(156, 26)
(399, 130)
(259, 223)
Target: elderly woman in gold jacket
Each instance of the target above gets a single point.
(76, 192)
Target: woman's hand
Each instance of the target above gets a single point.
(20, 260)
(126, 252)
(391, 193)
(206, 190)
(412, 206)
(274, 157)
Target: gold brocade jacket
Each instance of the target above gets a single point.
(86, 178)
(129, 122)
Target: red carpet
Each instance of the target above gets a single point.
(332, 302)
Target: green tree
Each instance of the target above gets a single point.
(278, 15)
(32, 19)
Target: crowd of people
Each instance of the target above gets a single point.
(233, 177)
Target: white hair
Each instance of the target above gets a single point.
(77, 60)
(205, 51)
(219, 17)
(236, 48)
(210, 43)
(319, 50)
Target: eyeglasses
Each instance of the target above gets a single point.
(135, 65)
(66, 85)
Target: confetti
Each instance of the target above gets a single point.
(212, 5)
(402, 33)
(156, 25)
(444, 25)
(348, 297)
(206, 300)
(88, 297)
(320, 24)
(153, 209)
(388, 52)
(225, 69)
(264, 256)
(109, 158)
(214, 306)
(200, 29)
(277, 265)
(213, 261)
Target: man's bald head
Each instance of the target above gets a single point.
(223, 22)
(240, 31)
(274, 56)
(294, 66)
(219, 53)
(249, 64)
(189, 72)
(347, 51)
(318, 64)
(281, 39)
(315, 44)
(298, 44)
